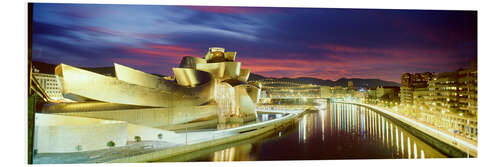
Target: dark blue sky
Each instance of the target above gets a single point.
(275, 42)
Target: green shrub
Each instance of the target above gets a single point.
(160, 136)
(137, 138)
(110, 144)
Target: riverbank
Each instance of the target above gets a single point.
(230, 135)
(445, 143)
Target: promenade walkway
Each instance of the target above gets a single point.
(466, 145)
(177, 140)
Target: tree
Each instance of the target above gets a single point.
(110, 144)
(137, 138)
(78, 148)
(160, 136)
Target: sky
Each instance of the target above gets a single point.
(325, 43)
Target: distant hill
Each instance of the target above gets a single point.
(358, 82)
(367, 83)
(255, 77)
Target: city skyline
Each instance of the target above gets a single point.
(274, 42)
(117, 83)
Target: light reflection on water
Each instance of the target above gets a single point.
(340, 131)
(267, 117)
(221, 126)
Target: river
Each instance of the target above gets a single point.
(340, 131)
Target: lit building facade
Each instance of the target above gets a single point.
(371, 95)
(447, 100)
(282, 88)
(410, 82)
(350, 85)
(326, 92)
(451, 107)
(388, 94)
(467, 90)
(443, 92)
(51, 84)
(216, 79)
(421, 96)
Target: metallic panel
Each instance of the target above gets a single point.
(196, 86)
(232, 70)
(230, 56)
(191, 62)
(137, 77)
(243, 102)
(234, 82)
(190, 77)
(224, 70)
(216, 49)
(244, 74)
(108, 89)
(216, 57)
(88, 85)
(253, 92)
(216, 70)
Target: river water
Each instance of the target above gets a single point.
(339, 131)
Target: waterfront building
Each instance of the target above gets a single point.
(339, 91)
(387, 95)
(326, 92)
(467, 90)
(350, 85)
(454, 100)
(444, 92)
(129, 103)
(410, 82)
(371, 95)
(345, 93)
(421, 97)
(51, 84)
(448, 100)
(216, 79)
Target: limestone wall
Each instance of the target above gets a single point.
(57, 134)
(148, 133)
(153, 117)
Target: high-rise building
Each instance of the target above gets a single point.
(443, 92)
(421, 96)
(467, 90)
(410, 82)
(447, 100)
(454, 101)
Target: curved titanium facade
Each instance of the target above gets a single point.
(197, 82)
